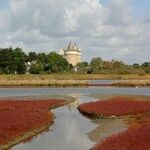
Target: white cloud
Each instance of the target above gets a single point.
(108, 31)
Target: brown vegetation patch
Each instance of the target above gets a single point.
(73, 77)
(19, 120)
(136, 138)
(42, 83)
(116, 107)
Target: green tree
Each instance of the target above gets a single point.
(146, 64)
(42, 58)
(136, 65)
(96, 64)
(19, 61)
(107, 65)
(36, 68)
(12, 61)
(6, 60)
(118, 64)
(82, 67)
(32, 56)
(56, 63)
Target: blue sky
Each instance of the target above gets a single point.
(139, 6)
(4, 4)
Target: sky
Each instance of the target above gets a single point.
(110, 29)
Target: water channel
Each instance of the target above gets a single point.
(71, 130)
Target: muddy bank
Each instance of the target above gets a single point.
(132, 83)
(42, 83)
(21, 120)
(125, 83)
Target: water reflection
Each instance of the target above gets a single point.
(101, 81)
(74, 105)
(68, 132)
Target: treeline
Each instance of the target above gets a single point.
(16, 61)
(97, 65)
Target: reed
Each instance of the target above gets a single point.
(132, 83)
(39, 82)
(64, 80)
(74, 77)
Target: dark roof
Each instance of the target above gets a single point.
(73, 47)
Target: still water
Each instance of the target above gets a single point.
(71, 130)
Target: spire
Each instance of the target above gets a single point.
(70, 46)
(73, 47)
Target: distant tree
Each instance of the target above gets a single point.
(96, 64)
(19, 61)
(56, 63)
(146, 64)
(117, 64)
(107, 65)
(32, 56)
(36, 68)
(6, 60)
(12, 61)
(146, 67)
(136, 65)
(82, 67)
(42, 58)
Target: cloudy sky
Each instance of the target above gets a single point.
(111, 29)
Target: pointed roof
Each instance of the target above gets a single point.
(72, 47)
(76, 47)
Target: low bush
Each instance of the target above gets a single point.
(20, 117)
(117, 106)
(133, 139)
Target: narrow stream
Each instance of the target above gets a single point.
(72, 131)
